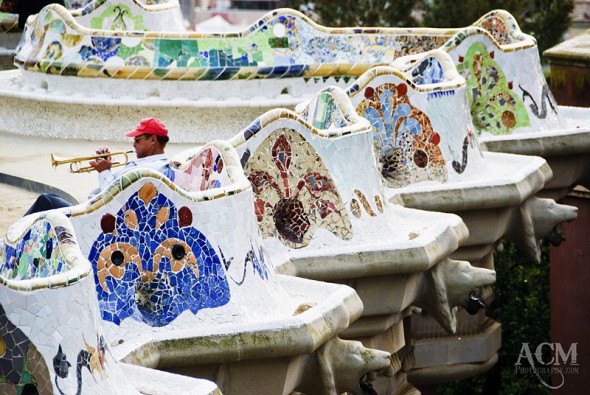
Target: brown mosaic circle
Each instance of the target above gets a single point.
(420, 158)
(370, 93)
(291, 220)
(185, 216)
(107, 223)
(508, 119)
(402, 89)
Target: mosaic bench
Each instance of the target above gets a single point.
(515, 111)
(321, 210)
(287, 50)
(282, 44)
(183, 283)
(429, 156)
(51, 333)
(429, 159)
(279, 60)
(512, 107)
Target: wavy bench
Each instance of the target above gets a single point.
(511, 104)
(282, 44)
(276, 62)
(322, 213)
(183, 283)
(52, 336)
(430, 159)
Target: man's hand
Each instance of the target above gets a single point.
(102, 164)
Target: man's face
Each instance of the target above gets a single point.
(143, 145)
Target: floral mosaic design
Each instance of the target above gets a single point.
(37, 254)
(495, 107)
(294, 192)
(404, 140)
(22, 368)
(151, 264)
(205, 171)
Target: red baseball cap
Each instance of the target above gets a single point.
(149, 126)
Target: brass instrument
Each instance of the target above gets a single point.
(75, 163)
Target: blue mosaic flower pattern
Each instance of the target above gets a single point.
(101, 50)
(403, 137)
(150, 264)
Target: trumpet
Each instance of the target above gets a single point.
(76, 163)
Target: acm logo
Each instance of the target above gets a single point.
(560, 361)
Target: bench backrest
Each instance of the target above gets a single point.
(307, 179)
(157, 250)
(421, 126)
(200, 169)
(46, 288)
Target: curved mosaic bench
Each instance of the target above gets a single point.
(430, 158)
(541, 127)
(282, 44)
(183, 283)
(276, 62)
(322, 213)
(52, 338)
(511, 104)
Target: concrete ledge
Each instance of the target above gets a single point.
(444, 374)
(436, 352)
